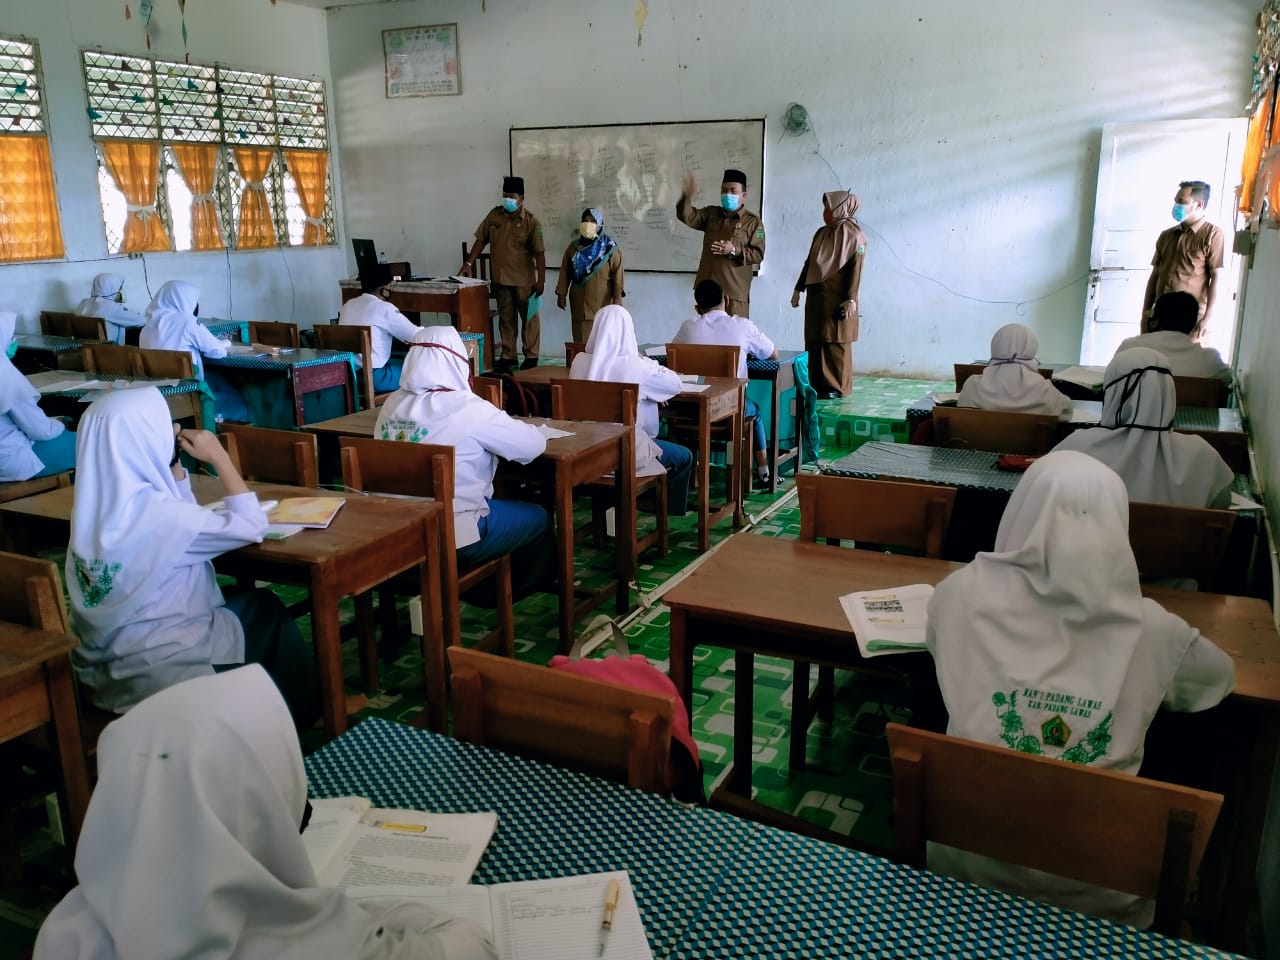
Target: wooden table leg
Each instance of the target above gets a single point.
(65, 719)
(624, 520)
(564, 555)
(326, 635)
(743, 721)
(434, 663)
(704, 479)
(739, 443)
(680, 656)
(299, 417)
(774, 407)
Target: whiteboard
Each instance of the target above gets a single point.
(633, 174)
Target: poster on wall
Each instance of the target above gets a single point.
(422, 61)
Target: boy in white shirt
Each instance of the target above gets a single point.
(714, 327)
(384, 321)
(1174, 317)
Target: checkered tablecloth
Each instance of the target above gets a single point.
(166, 389)
(235, 329)
(967, 469)
(38, 341)
(1186, 419)
(299, 358)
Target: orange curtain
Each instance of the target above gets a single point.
(135, 167)
(29, 225)
(197, 163)
(1260, 135)
(256, 229)
(310, 172)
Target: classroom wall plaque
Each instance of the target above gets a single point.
(422, 61)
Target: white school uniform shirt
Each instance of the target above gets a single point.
(143, 596)
(384, 321)
(22, 422)
(101, 302)
(1186, 358)
(191, 846)
(1011, 380)
(435, 405)
(172, 325)
(1046, 645)
(718, 329)
(613, 355)
(1136, 440)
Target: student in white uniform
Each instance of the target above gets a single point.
(192, 847)
(715, 327)
(1174, 316)
(32, 444)
(106, 300)
(1137, 441)
(372, 310)
(435, 404)
(172, 325)
(613, 355)
(1011, 380)
(1046, 645)
(143, 596)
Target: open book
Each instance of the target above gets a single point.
(889, 621)
(1088, 377)
(315, 512)
(398, 853)
(545, 919)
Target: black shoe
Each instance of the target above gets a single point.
(529, 363)
(500, 367)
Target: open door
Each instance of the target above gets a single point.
(1139, 169)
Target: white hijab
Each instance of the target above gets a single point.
(1011, 380)
(435, 384)
(1136, 440)
(170, 315)
(102, 303)
(15, 389)
(191, 846)
(129, 522)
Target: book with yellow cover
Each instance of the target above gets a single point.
(314, 512)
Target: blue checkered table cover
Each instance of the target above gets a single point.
(793, 898)
(166, 390)
(237, 330)
(38, 341)
(1186, 419)
(302, 357)
(551, 822)
(968, 469)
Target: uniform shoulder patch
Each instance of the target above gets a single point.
(862, 248)
(760, 234)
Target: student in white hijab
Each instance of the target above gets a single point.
(384, 321)
(613, 355)
(1136, 439)
(107, 301)
(172, 325)
(192, 848)
(1011, 379)
(435, 404)
(32, 444)
(143, 596)
(1174, 317)
(1046, 645)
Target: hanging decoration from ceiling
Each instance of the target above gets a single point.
(641, 16)
(144, 11)
(182, 12)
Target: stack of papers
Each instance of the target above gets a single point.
(943, 398)
(889, 621)
(551, 433)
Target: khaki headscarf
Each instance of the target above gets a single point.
(835, 244)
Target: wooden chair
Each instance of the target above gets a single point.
(166, 364)
(996, 430)
(571, 349)
(1201, 392)
(706, 360)
(488, 387)
(357, 339)
(1110, 829)
(558, 717)
(426, 470)
(54, 323)
(17, 489)
(880, 513)
(482, 271)
(1231, 447)
(272, 456)
(270, 333)
(1175, 542)
(963, 371)
(112, 360)
(31, 593)
(612, 403)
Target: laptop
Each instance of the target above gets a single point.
(367, 265)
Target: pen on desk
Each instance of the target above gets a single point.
(610, 902)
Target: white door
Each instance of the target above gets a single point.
(1139, 169)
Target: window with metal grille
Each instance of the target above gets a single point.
(30, 228)
(234, 113)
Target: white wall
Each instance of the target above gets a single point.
(253, 34)
(970, 130)
(1258, 359)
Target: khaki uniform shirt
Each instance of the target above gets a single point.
(743, 229)
(514, 239)
(1185, 258)
(598, 290)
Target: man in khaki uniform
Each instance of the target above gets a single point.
(518, 270)
(1188, 257)
(732, 239)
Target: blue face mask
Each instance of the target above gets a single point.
(1179, 212)
(510, 204)
(730, 201)
(11, 349)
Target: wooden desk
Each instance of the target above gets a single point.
(304, 371)
(370, 540)
(37, 352)
(187, 399)
(466, 305)
(35, 689)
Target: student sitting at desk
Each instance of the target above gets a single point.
(1011, 380)
(143, 596)
(193, 847)
(613, 355)
(384, 321)
(172, 325)
(435, 404)
(31, 443)
(1135, 437)
(590, 274)
(1054, 616)
(106, 300)
(1174, 316)
(713, 326)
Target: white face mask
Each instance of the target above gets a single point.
(588, 230)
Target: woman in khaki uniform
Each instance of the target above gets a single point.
(590, 274)
(829, 279)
